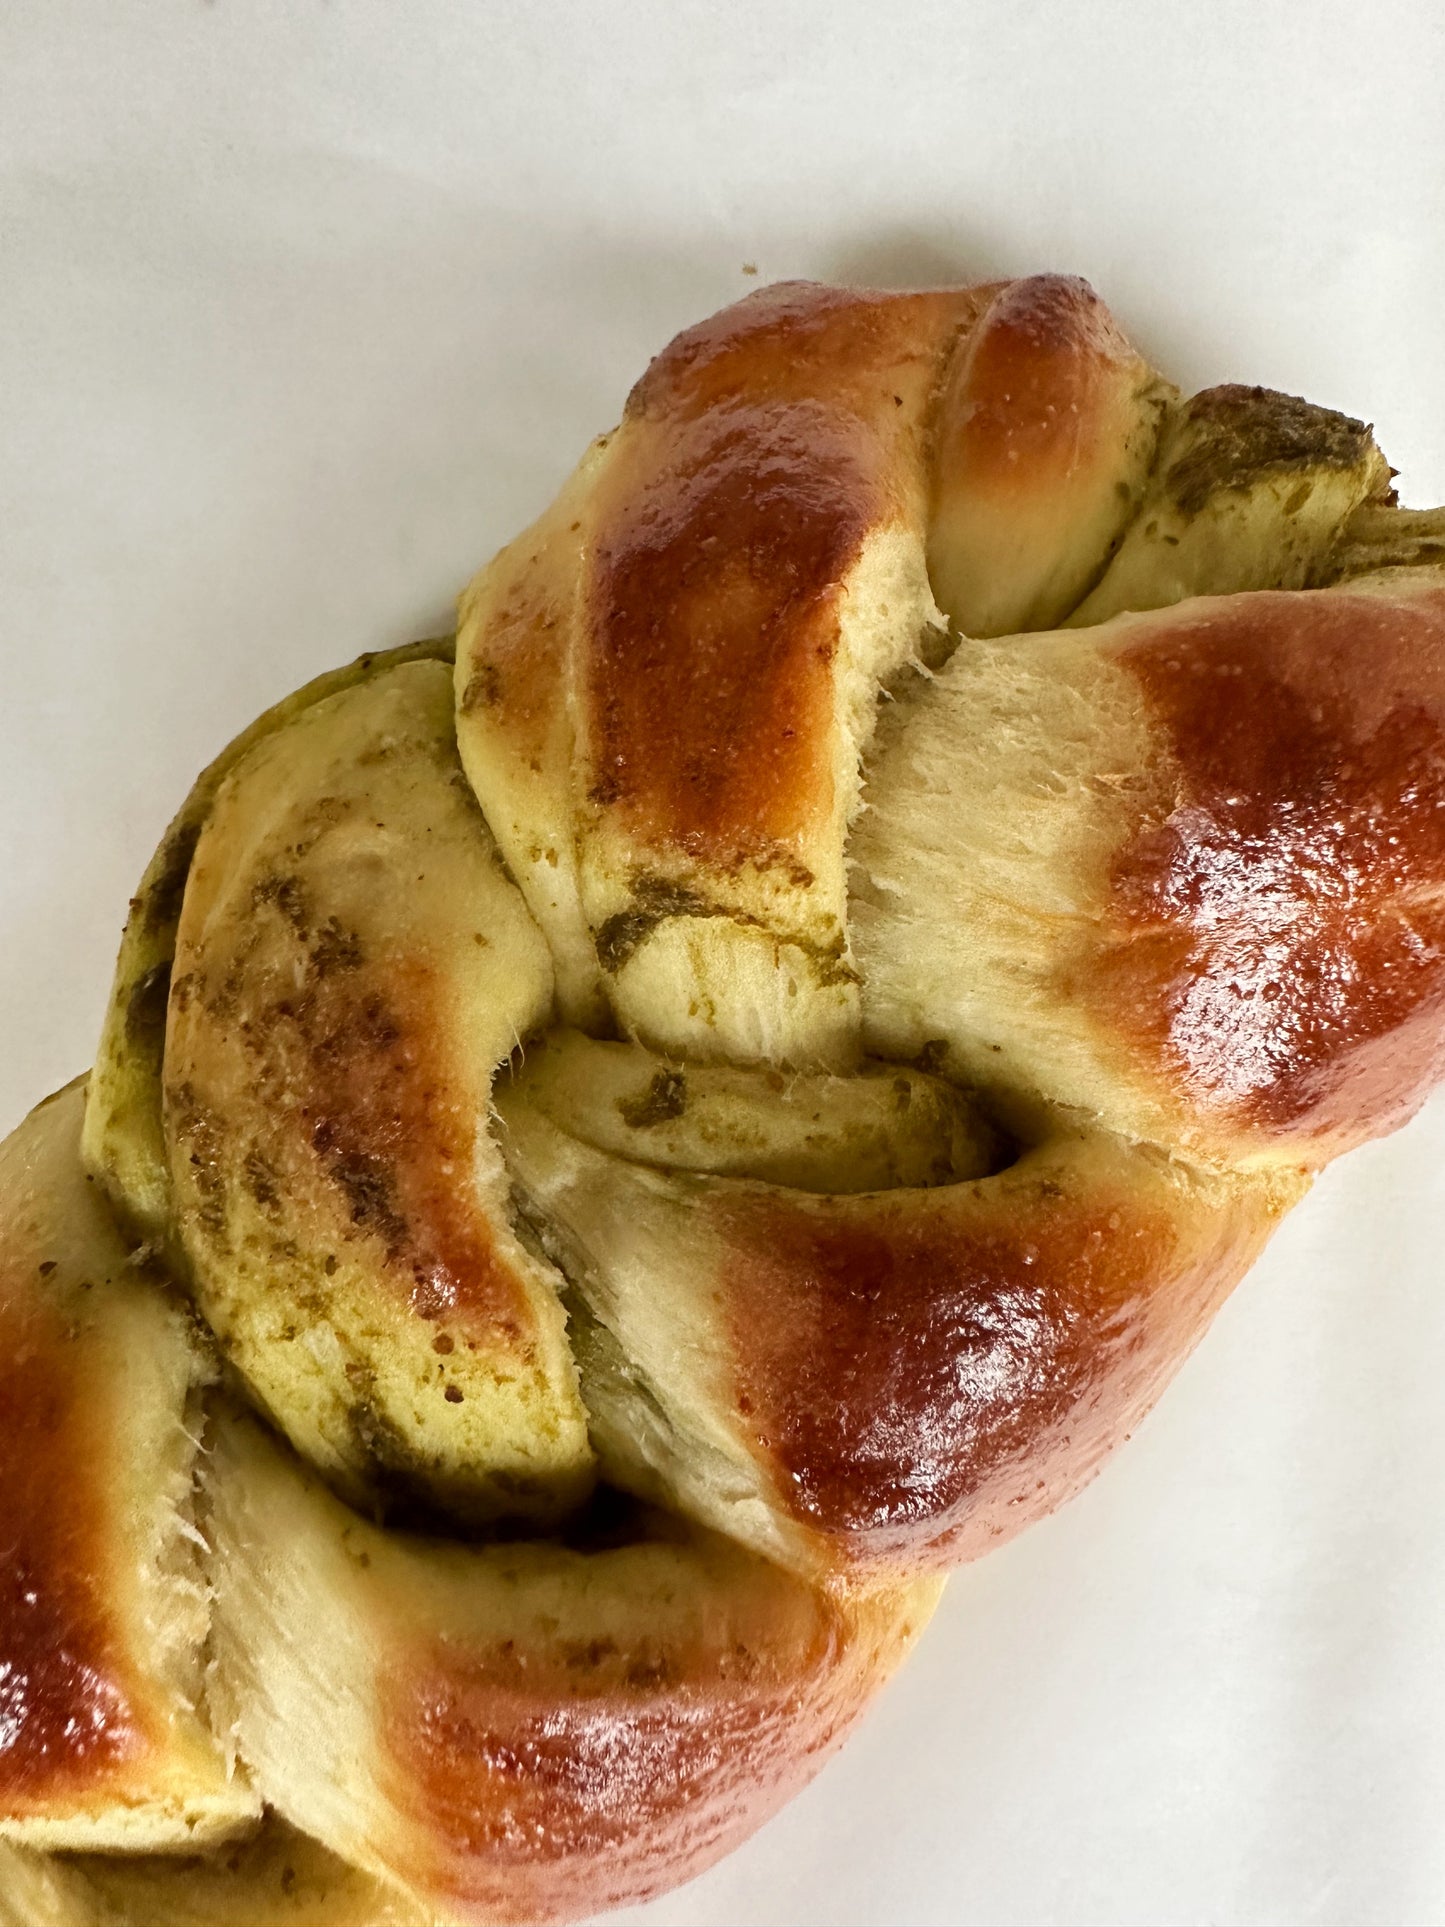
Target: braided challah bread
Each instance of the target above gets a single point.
(625, 1144)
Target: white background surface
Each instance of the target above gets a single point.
(305, 307)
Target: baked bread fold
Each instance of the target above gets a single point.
(622, 1149)
(886, 1381)
(104, 1611)
(526, 1731)
(351, 966)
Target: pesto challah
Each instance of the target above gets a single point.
(625, 1145)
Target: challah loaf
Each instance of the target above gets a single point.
(622, 1149)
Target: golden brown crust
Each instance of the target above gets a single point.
(73, 1713)
(521, 684)
(714, 628)
(804, 339)
(1043, 441)
(311, 1057)
(101, 1613)
(1024, 399)
(556, 1784)
(1279, 924)
(758, 453)
(533, 1731)
(929, 1372)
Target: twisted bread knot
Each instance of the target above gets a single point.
(708, 1147)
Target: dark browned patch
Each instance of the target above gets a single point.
(335, 948)
(145, 1009)
(159, 905)
(287, 894)
(484, 688)
(1244, 434)
(260, 1179)
(933, 1057)
(664, 1099)
(654, 900)
(199, 1135)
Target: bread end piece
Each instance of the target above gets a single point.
(104, 1741)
